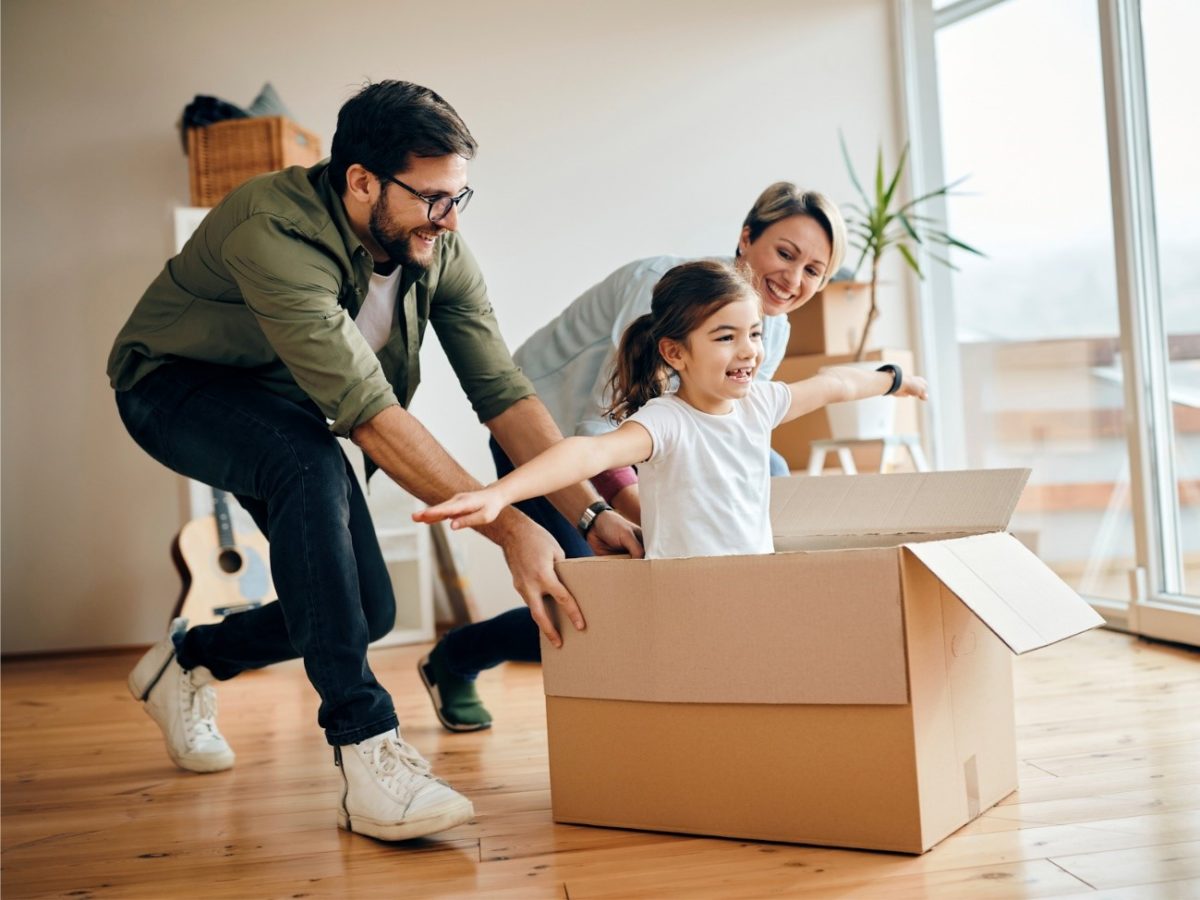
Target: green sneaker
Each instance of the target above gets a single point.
(457, 705)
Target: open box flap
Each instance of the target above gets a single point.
(967, 502)
(1011, 591)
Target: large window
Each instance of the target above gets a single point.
(1022, 101)
(1077, 341)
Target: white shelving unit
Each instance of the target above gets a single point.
(407, 558)
(405, 545)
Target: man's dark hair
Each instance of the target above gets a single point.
(385, 124)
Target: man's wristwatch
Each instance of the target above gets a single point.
(588, 519)
(897, 376)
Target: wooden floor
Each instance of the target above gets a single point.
(1109, 805)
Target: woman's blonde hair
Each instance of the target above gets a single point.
(782, 200)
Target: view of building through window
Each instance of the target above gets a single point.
(1022, 106)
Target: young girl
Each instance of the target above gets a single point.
(702, 451)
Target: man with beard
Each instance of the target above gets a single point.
(295, 314)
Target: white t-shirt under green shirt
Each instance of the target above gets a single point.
(378, 312)
(706, 488)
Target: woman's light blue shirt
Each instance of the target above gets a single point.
(570, 360)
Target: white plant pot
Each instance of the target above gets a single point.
(873, 417)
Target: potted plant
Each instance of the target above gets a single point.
(883, 222)
(880, 223)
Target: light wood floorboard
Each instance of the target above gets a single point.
(1109, 806)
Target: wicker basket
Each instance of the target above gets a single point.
(222, 156)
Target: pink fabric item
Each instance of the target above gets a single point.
(609, 484)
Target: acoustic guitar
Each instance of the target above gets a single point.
(224, 571)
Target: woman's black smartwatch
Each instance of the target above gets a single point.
(897, 376)
(588, 519)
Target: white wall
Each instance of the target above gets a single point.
(607, 132)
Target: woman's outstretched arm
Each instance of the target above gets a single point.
(838, 384)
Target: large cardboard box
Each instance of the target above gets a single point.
(832, 321)
(793, 440)
(854, 689)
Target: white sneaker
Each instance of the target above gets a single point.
(390, 793)
(183, 703)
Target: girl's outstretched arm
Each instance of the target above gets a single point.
(567, 462)
(838, 384)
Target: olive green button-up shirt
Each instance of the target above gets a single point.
(271, 282)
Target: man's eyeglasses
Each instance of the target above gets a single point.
(439, 207)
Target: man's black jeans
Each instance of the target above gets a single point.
(281, 462)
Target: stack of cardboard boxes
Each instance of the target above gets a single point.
(825, 332)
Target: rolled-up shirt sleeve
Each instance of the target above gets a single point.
(466, 326)
(292, 287)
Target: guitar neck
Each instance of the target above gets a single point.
(224, 522)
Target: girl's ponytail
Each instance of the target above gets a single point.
(682, 300)
(640, 374)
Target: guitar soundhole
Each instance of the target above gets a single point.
(230, 561)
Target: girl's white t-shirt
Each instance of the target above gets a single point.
(706, 488)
